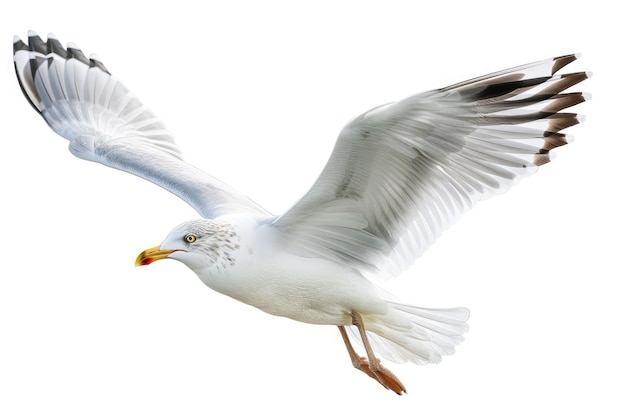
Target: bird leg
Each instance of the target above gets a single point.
(370, 365)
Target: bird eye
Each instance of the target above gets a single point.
(190, 238)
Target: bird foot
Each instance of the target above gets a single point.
(381, 374)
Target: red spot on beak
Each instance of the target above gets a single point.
(146, 261)
(151, 255)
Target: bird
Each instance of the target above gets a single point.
(398, 176)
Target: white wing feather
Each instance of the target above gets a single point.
(402, 173)
(399, 174)
(106, 123)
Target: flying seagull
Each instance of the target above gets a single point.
(398, 176)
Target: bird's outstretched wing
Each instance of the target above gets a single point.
(403, 172)
(104, 122)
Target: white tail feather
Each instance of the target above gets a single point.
(414, 334)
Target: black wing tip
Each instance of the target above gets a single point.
(563, 60)
(94, 61)
(513, 81)
(53, 46)
(19, 45)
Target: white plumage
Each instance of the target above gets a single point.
(399, 175)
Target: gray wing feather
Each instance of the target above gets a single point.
(402, 173)
(104, 122)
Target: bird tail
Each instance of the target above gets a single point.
(414, 334)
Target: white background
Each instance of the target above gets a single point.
(256, 93)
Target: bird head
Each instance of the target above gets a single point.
(197, 243)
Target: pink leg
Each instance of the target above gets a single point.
(370, 365)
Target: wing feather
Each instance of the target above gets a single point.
(409, 169)
(104, 122)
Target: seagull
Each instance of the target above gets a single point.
(398, 176)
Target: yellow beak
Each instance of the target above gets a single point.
(150, 255)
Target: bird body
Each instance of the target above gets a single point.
(256, 265)
(250, 262)
(398, 176)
